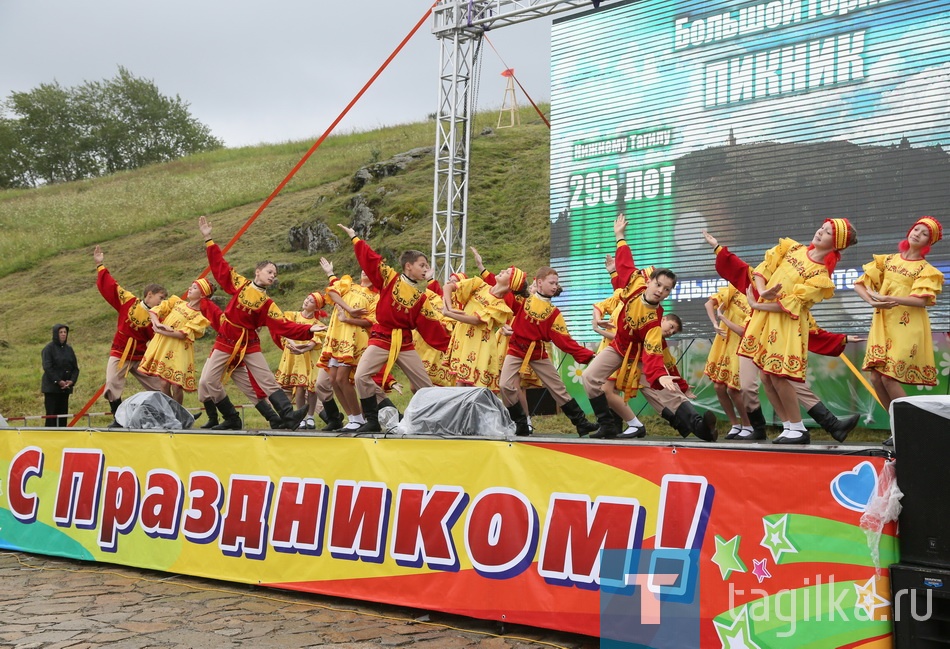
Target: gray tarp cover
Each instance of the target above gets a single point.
(456, 411)
(147, 410)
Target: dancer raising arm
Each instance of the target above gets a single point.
(132, 333)
(249, 309)
(402, 308)
(791, 279)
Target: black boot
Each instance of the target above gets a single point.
(212, 413)
(581, 424)
(332, 416)
(837, 428)
(371, 413)
(271, 417)
(521, 420)
(231, 418)
(607, 425)
(757, 419)
(289, 417)
(678, 425)
(114, 405)
(703, 427)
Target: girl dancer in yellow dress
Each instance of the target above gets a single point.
(791, 280)
(900, 287)
(473, 356)
(728, 305)
(347, 337)
(170, 354)
(297, 371)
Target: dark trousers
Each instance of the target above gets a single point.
(57, 403)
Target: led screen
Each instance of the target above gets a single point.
(754, 120)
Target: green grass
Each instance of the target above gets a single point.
(146, 222)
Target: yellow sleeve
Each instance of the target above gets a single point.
(929, 284)
(466, 288)
(163, 308)
(195, 328)
(774, 257)
(806, 294)
(873, 275)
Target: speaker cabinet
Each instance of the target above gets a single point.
(921, 597)
(922, 444)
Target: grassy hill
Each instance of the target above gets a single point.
(146, 223)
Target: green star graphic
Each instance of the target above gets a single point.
(738, 635)
(776, 538)
(727, 556)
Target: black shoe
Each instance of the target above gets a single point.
(212, 412)
(290, 418)
(371, 412)
(889, 441)
(607, 423)
(837, 428)
(633, 432)
(733, 432)
(114, 405)
(331, 416)
(756, 436)
(231, 418)
(757, 419)
(516, 412)
(272, 418)
(702, 426)
(804, 439)
(582, 425)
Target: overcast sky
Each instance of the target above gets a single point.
(256, 71)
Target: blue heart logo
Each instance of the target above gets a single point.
(854, 489)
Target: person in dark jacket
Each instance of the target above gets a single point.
(60, 372)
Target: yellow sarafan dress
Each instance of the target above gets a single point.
(778, 341)
(347, 342)
(173, 359)
(900, 344)
(433, 360)
(722, 364)
(473, 353)
(299, 370)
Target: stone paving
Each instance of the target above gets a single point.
(52, 603)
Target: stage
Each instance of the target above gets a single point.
(601, 537)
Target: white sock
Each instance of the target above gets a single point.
(746, 429)
(529, 419)
(736, 428)
(352, 426)
(635, 422)
(794, 431)
(356, 419)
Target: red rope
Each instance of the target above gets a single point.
(297, 166)
(513, 76)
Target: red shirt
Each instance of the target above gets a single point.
(248, 310)
(134, 328)
(401, 305)
(537, 320)
(638, 325)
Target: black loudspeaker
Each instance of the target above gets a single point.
(921, 598)
(922, 444)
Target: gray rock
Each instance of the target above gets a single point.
(314, 237)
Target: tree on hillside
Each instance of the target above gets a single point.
(60, 134)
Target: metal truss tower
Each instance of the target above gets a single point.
(459, 25)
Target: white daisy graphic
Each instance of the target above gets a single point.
(574, 371)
